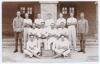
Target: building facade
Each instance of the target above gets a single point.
(33, 8)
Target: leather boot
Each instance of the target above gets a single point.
(21, 46)
(16, 46)
(83, 46)
(80, 46)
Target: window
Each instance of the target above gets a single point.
(64, 10)
(26, 10)
(71, 10)
(22, 9)
(29, 10)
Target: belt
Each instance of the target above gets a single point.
(71, 25)
(42, 37)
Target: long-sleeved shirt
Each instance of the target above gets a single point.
(31, 44)
(62, 31)
(38, 21)
(71, 21)
(42, 32)
(82, 26)
(27, 21)
(48, 22)
(18, 24)
(62, 44)
(61, 20)
(51, 31)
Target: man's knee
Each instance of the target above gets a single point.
(27, 52)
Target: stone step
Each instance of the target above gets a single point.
(47, 53)
(11, 42)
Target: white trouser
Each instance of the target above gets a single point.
(25, 37)
(44, 41)
(62, 51)
(66, 52)
(52, 40)
(67, 43)
(72, 36)
(31, 52)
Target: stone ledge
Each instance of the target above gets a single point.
(48, 2)
(10, 42)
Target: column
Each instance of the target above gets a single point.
(48, 7)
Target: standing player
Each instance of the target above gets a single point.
(82, 27)
(49, 20)
(38, 21)
(60, 19)
(18, 29)
(27, 25)
(52, 36)
(72, 22)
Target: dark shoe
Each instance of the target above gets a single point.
(83, 51)
(80, 51)
(15, 51)
(62, 55)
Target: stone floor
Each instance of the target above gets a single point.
(91, 54)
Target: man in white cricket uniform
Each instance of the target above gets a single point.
(49, 20)
(52, 36)
(62, 30)
(38, 21)
(60, 19)
(42, 36)
(62, 49)
(72, 22)
(32, 49)
(30, 30)
(27, 25)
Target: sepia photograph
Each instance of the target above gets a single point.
(49, 31)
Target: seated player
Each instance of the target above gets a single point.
(52, 36)
(62, 30)
(32, 49)
(42, 36)
(62, 47)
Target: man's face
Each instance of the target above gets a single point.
(82, 15)
(71, 14)
(39, 15)
(31, 38)
(18, 13)
(61, 15)
(26, 15)
(62, 38)
(33, 26)
(42, 24)
(52, 25)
